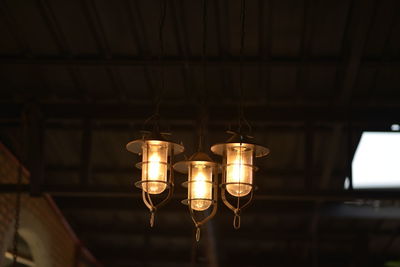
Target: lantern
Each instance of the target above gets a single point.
(238, 170)
(202, 185)
(156, 165)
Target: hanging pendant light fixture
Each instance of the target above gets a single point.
(201, 170)
(238, 155)
(238, 152)
(238, 170)
(156, 165)
(157, 152)
(202, 184)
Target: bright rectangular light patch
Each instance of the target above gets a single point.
(376, 163)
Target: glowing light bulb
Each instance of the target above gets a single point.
(200, 187)
(239, 172)
(154, 167)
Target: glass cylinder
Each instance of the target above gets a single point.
(200, 186)
(154, 166)
(239, 169)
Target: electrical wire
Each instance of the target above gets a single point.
(242, 118)
(203, 92)
(156, 115)
(204, 43)
(163, 11)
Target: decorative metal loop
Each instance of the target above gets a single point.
(198, 231)
(238, 207)
(199, 223)
(153, 208)
(152, 215)
(236, 221)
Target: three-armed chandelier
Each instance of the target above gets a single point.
(238, 154)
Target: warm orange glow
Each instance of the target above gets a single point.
(239, 172)
(200, 186)
(154, 168)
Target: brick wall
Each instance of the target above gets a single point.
(52, 242)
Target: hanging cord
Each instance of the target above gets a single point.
(18, 196)
(203, 92)
(155, 117)
(204, 46)
(201, 130)
(202, 110)
(163, 11)
(242, 118)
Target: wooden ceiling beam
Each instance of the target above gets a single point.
(139, 34)
(73, 191)
(237, 257)
(184, 230)
(373, 115)
(231, 61)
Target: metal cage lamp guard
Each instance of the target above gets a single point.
(202, 184)
(156, 165)
(238, 170)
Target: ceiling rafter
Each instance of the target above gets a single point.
(321, 123)
(326, 115)
(231, 61)
(305, 49)
(97, 29)
(62, 43)
(14, 29)
(268, 233)
(54, 27)
(385, 54)
(182, 44)
(264, 43)
(118, 192)
(136, 26)
(227, 77)
(362, 19)
(20, 37)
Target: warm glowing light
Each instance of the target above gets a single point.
(154, 167)
(200, 186)
(239, 170)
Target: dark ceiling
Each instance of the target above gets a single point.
(316, 73)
